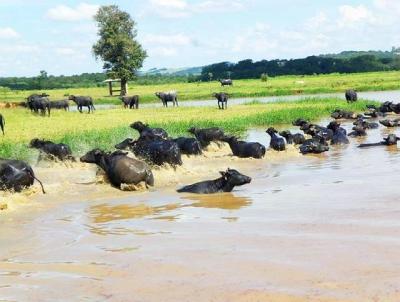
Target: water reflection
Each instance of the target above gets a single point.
(225, 201)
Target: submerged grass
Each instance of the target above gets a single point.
(277, 86)
(105, 128)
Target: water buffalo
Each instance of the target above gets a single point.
(146, 132)
(390, 140)
(120, 168)
(166, 97)
(351, 96)
(131, 101)
(365, 124)
(16, 175)
(358, 130)
(277, 143)
(2, 123)
(38, 104)
(343, 114)
(299, 122)
(228, 180)
(390, 123)
(59, 151)
(62, 104)
(188, 145)
(81, 101)
(314, 145)
(296, 138)
(156, 151)
(339, 134)
(226, 82)
(245, 149)
(222, 98)
(207, 135)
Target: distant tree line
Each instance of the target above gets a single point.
(247, 69)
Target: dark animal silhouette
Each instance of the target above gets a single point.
(83, 101)
(222, 100)
(351, 96)
(390, 140)
(296, 138)
(315, 145)
(188, 145)
(226, 82)
(339, 134)
(16, 175)
(277, 143)
(59, 151)
(207, 135)
(146, 132)
(228, 180)
(166, 97)
(130, 101)
(62, 104)
(2, 123)
(39, 103)
(390, 123)
(245, 149)
(119, 168)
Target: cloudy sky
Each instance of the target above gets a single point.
(57, 35)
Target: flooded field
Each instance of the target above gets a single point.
(308, 228)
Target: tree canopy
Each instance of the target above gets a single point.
(117, 46)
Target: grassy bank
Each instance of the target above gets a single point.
(107, 127)
(284, 85)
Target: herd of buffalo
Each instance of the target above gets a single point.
(155, 147)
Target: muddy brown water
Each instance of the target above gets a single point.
(308, 228)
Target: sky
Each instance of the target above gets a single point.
(57, 36)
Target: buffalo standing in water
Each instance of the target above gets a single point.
(351, 96)
(16, 175)
(228, 180)
(120, 169)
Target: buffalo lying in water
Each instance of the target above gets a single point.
(120, 168)
(228, 180)
(59, 151)
(16, 175)
(390, 140)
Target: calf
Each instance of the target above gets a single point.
(81, 101)
(228, 180)
(120, 169)
(244, 149)
(207, 135)
(59, 151)
(131, 101)
(222, 100)
(146, 132)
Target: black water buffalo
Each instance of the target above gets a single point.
(222, 99)
(228, 180)
(365, 124)
(166, 97)
(315, 145)
(2, 123)
(390, 123)
(358, 130)
(38, 103)
(390, 140)
(59, 151)
(130, 101)
(343, 114)
(62, 104)
(245, 149)
(226, 82)
(351, 96)
(155, 151)
(296, 138)
(146, 132)
(277, 143)
(299, 122)
(16, 175)
(339, 134)
(120, 168)
(82, 101)
(207, 135)
(188, 145)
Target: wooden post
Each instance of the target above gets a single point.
(110, 88)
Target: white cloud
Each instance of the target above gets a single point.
(163, 51)
(82, 11)
(65, 51)
(8, 33)
(351, 15)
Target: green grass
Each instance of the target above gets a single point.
(284, 85)
(105, 128)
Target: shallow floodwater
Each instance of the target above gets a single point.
(308, 228)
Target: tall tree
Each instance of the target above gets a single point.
(117, 46)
